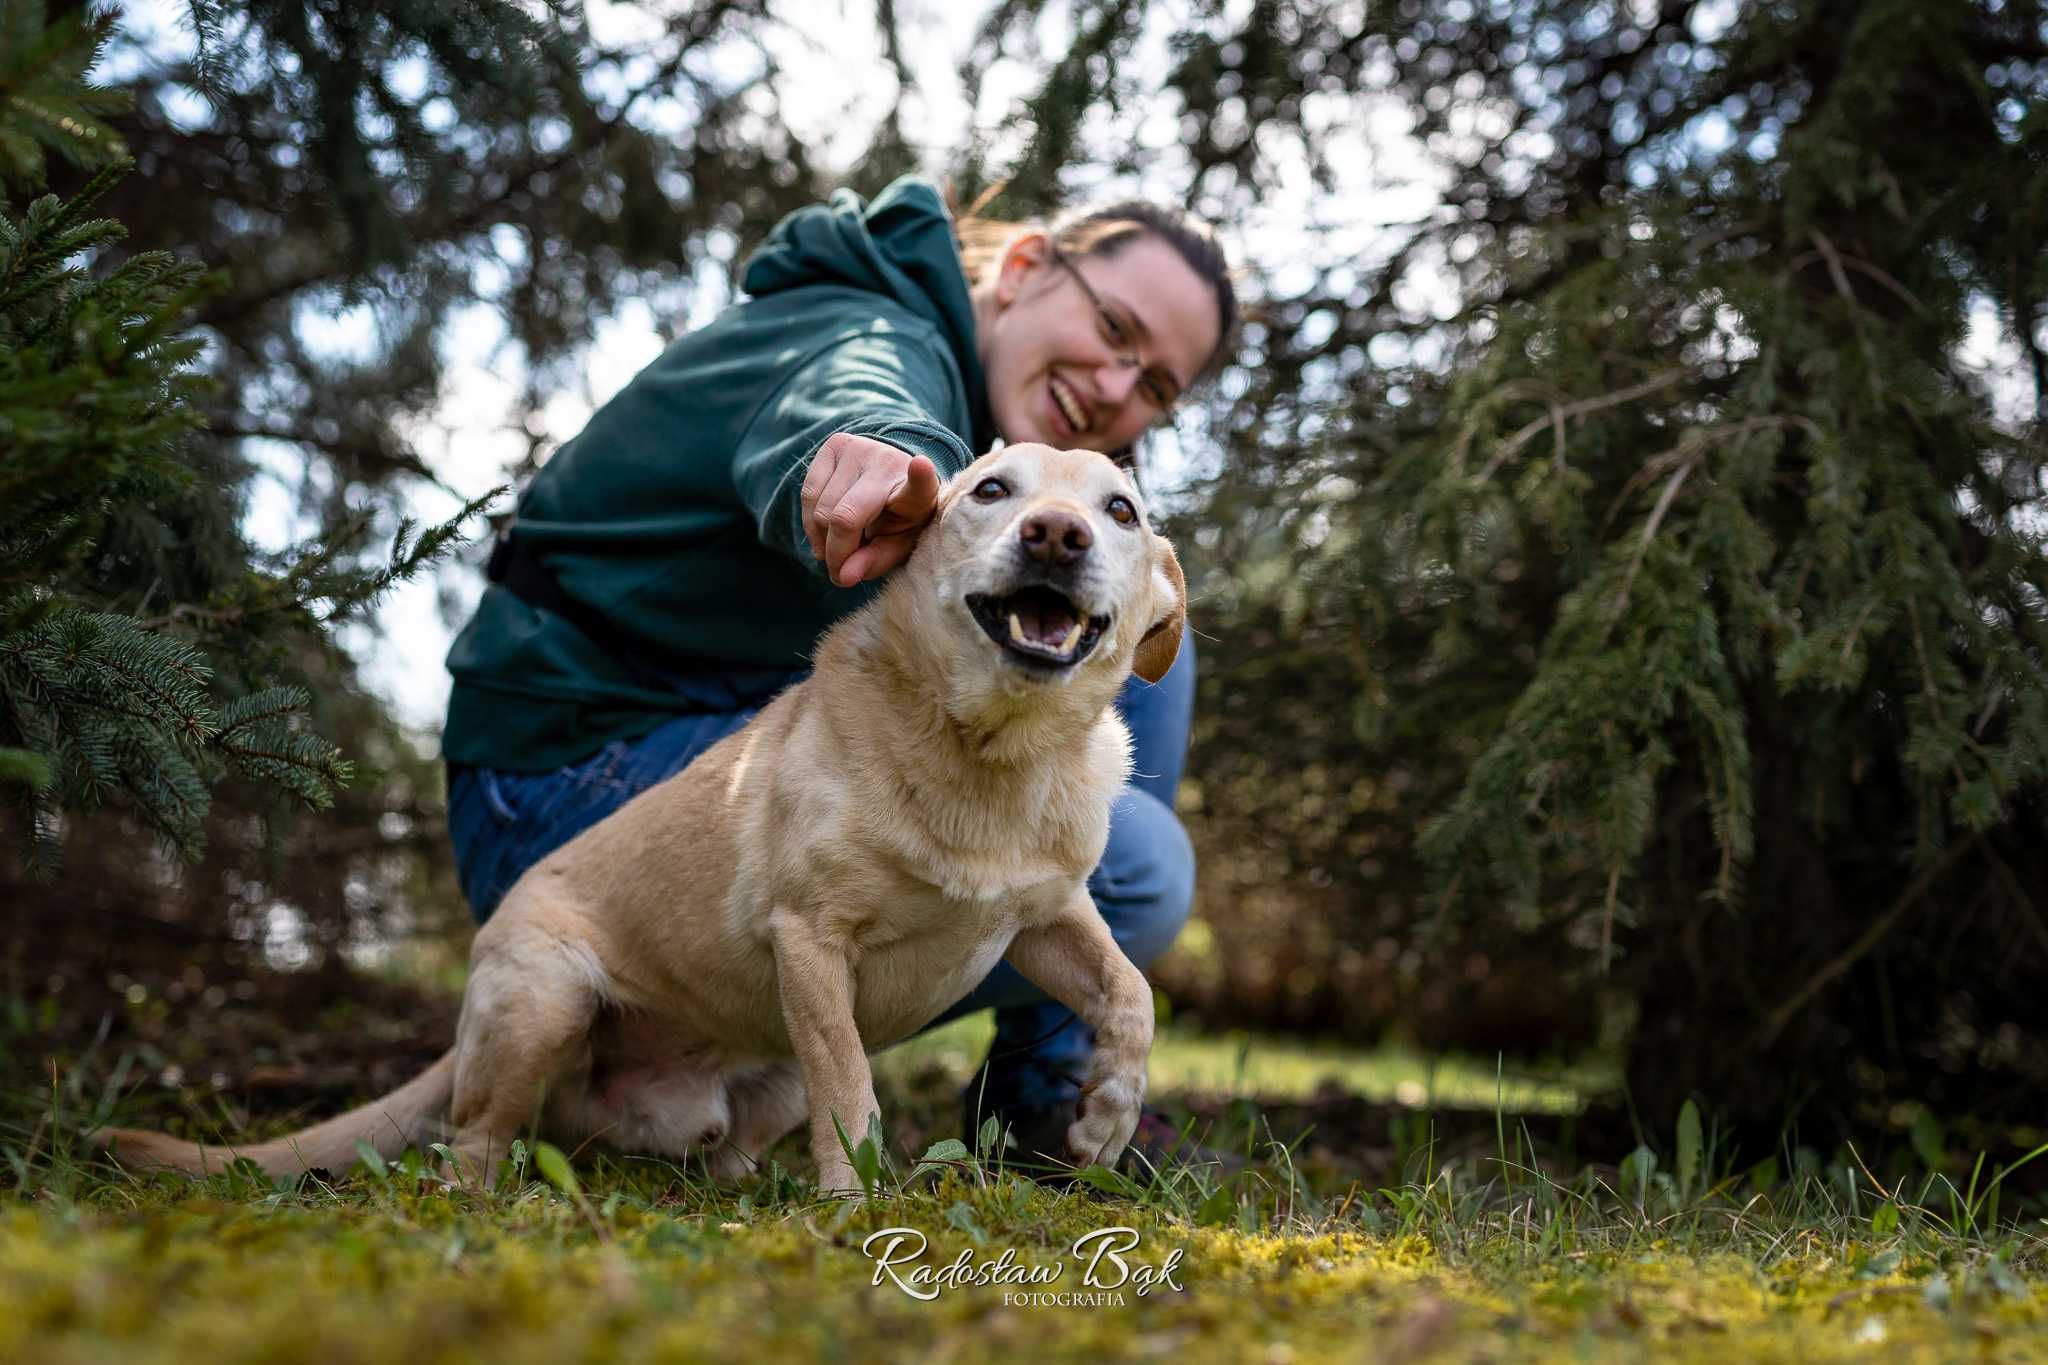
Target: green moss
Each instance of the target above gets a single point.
(400, 1270)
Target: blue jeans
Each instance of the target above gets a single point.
(503, 822)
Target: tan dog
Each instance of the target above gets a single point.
(677, 979)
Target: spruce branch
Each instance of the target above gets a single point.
(1560, 414)
(1686, 464)
(45, 102)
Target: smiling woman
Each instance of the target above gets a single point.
(672, 567)
(1159, 310)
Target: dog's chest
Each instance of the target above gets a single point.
(927, 952)
(966, 885)
(993, 850)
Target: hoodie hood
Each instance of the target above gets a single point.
(900, 245)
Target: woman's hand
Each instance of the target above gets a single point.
(864, 501)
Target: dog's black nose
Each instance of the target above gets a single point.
(1055, 537)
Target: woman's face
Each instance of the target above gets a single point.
(1058, 375)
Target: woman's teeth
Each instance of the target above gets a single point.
(1070, 406)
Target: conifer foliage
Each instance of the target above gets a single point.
(99, 423)
(1684, 589)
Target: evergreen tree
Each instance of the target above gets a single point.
(99, 405)
(1685, 590)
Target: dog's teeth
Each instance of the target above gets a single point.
(1017, 630)
(1073, 634)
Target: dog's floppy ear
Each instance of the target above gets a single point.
(1161, 645)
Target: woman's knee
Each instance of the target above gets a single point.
(1145, 884)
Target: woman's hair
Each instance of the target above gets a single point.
(1104, 230)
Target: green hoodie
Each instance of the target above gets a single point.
(675, 513)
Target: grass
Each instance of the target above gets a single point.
(1476, 1255)
(1289, 1068)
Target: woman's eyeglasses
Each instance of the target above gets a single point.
(1160, 388)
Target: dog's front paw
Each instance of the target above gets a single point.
(1105, 1120)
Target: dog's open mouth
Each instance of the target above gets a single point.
(1038, 625)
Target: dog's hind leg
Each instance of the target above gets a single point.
(767, 1101)
(534, 987)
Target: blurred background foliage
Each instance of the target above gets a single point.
(1617, 545)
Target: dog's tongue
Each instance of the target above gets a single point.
(1043, 620)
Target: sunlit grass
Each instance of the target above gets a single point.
(1278, 1068)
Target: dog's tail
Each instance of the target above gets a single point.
(389, 1125)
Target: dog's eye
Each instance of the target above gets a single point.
(989, 490)
(1122, 511)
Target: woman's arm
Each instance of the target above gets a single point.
(854, 443)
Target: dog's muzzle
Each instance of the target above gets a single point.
(1038, 626)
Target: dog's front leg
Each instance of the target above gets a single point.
(1075, 961)
(814, 975)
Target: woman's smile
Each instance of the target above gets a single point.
(1069, 411)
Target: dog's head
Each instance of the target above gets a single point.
(1048, 570)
